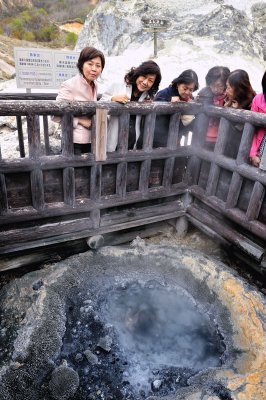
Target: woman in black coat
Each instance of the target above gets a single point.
(180, 89)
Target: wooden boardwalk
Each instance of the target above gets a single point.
(48, 199)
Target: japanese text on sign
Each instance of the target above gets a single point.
(42, 68)
(155, 23)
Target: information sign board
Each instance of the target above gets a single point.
(155, 24)
(44, 69)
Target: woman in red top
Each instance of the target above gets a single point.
(259, 138)
(214, 93)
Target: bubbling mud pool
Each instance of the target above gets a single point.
(161, 337)
(160, 328)
(141, 322)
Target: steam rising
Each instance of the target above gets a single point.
(158, 328)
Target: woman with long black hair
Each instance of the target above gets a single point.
(139, 84)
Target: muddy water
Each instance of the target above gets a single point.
(163, 327)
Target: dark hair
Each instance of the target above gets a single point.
(88, 53)
(243, 91)
(216, 73)
(188, 76)
(147, 67)
(263, 84)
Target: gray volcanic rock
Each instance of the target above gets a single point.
(64, 382)
(114, 26)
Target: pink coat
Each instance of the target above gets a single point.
(77, 88)
(258, 105)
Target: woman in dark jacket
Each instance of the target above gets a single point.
(180, 89)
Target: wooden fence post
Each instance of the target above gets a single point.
(101, 134)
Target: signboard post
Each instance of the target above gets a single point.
(155, 25)
(38, 68)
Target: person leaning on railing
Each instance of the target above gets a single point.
(83, 87)
(239, 92)
(239, 95)
(139, 84)
(214, 94)
(180, 89)
(259, 138)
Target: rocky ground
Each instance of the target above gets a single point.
(9, 137)
(63, 344)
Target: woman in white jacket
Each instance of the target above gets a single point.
(139, 84)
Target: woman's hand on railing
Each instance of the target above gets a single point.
(175, 99)
(120, 98)
(255, 161)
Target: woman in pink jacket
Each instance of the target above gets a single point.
(259, 139)
(82, 87)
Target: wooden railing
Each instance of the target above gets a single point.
(50, 198)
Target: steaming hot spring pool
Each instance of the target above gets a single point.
(139, 322)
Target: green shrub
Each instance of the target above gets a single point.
(32, 23)
(29, 36)
(46, 33)
(71, 39)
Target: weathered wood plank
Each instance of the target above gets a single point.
(173, 134)
(149, 131)
(69, 186)
(3, 195)
(59, 209)
(34, 138)
(234, 190)
(81, 108)
(37, 190)
(123, 132)
(83, 227)
(27, 96)
(96, 188)
(199, 131)
(46, 134)
(144, 176)
(193, 169)
(233, 214)
(67, 135)
(44, 231)
(20, 136)
(135, 213)
(121, 179)
(239, 240)
(236, 115)
(223, 134)
(245, 144)
(101, 134)
(212, 180)
(57, 251)
(95, 216)
(256, 200)
(168, 172)
(54, 161)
